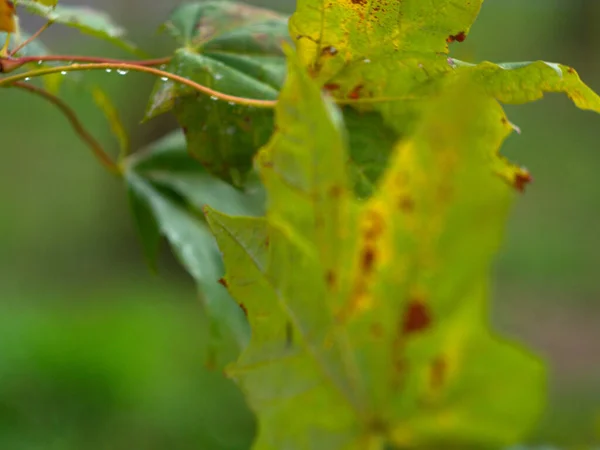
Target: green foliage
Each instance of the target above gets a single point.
(355, 226)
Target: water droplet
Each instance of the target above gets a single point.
(40, 62)
(213, 98)
(122, 72)
(367, 61)
(108, 70)
(218, 76)
(164, 78)
(64, 72)
(231, 103)
(27, 79)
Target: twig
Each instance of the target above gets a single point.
(31, 38)
(137, 68)
(75, 123)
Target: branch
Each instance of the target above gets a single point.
(31, 38)
(137, 68)
(75, 123)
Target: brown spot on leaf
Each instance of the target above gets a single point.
(243, 308)
(368, 259)
(438, 373)
(330, 50)
(407, 204)
(460, 37)
(416, 317)
(330, 278)
(522, 179)
(331, 87)
(359, 2)
(223, 282)
(336, 191)
(356, 92)
(375, 225)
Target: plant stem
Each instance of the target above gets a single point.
(88, 59)
(75, 123)
(31, 38)
(137, 68)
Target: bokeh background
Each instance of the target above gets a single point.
(97, 352)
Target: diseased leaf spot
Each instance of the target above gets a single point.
(417, 317)
(335, 191)
(438, 373)
(331, 87)
(374, 225)
(355, 93)
(330, 50)
(407, 204)
(244, 309)
(368, 259)
(330, 279)
(223, 282)
(460, 37)
(522, 179)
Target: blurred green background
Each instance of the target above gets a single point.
(98, 353)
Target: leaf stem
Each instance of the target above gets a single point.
(123, 66)
(31, 38)
(88, 59)
(75, 123)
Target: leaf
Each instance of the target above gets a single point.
(234, 49)
(368, 319)
(7, 16)
(167, 190)
(390, 57)
(109, 110)
(85, 19)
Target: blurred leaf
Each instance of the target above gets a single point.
(85, 19)
(369, 325)
(7, 17)
(168, 190)
(109, 110)
(234, 49)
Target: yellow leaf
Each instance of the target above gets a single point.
(7, 16)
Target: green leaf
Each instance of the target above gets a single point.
(369, 325)
(234, 49)
(168, 190)
(83, 18)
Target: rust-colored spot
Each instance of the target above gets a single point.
(331, 87)
(460, 37)
(330, 50)
(359, 2)
(407, 204)
(223, 282)
(504, 120)
(267, 242)
(330, 278)
(355, 93)
(375, 225)
(244, 309)
(571, 70)
(416, 317)
(368, 259)
(522, 179)
(336, 191)
(438, 373)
